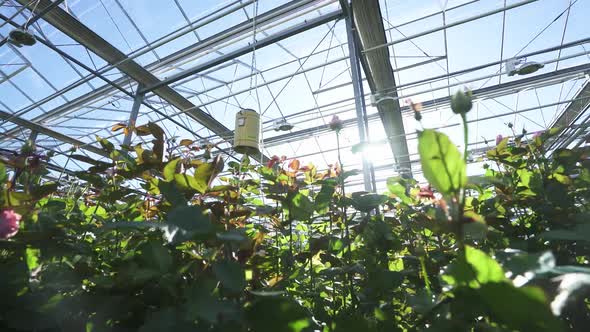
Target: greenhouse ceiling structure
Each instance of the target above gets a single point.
(190, 66)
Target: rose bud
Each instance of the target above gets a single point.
(461, 102)
(336, 123)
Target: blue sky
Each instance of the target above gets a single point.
(532, 25)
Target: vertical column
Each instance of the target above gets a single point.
(357, 86)
(33, 136)
(137, 101)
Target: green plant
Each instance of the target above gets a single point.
(220, 245)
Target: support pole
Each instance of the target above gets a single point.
(137, 101)
(357, 85)
(33, 136)
(368, 24)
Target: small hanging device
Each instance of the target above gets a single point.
(247, 132)
(23, 36)
(521, 67)
(20, 37)
(282, 125)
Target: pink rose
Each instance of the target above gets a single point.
(499, 139)
(8, 223)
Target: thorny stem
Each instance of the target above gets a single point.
(465, 135)
(461, 197)
(345, 221)
(277, 242)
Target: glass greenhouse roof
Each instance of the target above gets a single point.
(289, 59)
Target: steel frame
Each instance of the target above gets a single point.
(168, 89)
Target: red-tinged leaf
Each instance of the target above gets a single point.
(294, 164)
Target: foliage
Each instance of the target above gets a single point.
(208, 244)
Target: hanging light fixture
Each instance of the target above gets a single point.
(521, 67)
(247, 132)
(282, 125)
(20, 37)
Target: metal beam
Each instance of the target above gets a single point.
(483, 93)
(369, 26)
(51, 133)
(357, 85)
(307, 25)
(102, 77)
(446, 26)
(73, 28)
(137, 101)
(575, 108)
(569, 117)
(207, 43)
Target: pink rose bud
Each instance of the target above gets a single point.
(9, 221)
(499, 139)
(336, 123)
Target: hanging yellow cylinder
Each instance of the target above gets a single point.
(247, 132)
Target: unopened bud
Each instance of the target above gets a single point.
(461, 102)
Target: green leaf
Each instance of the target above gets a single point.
(234, 235)
(43, 190)
(170, 169)
(473, 269)
(172, 193)
(201, 179)
(266, 293)
(442, 163)
(186, 182)
(523, 309)
(190, 219)
(324, 197)
(203, 174)
(272, 314)
(106, 145)
(579, 233)
(366, 202)
(231, 275)
(165, 319)
(154, 254)
(91, 178)
(3, 176)
(32, 258)
(476, 229)
(172, 233)
(202, 304)
(397, 189)
(301, 207)
(423, 301)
